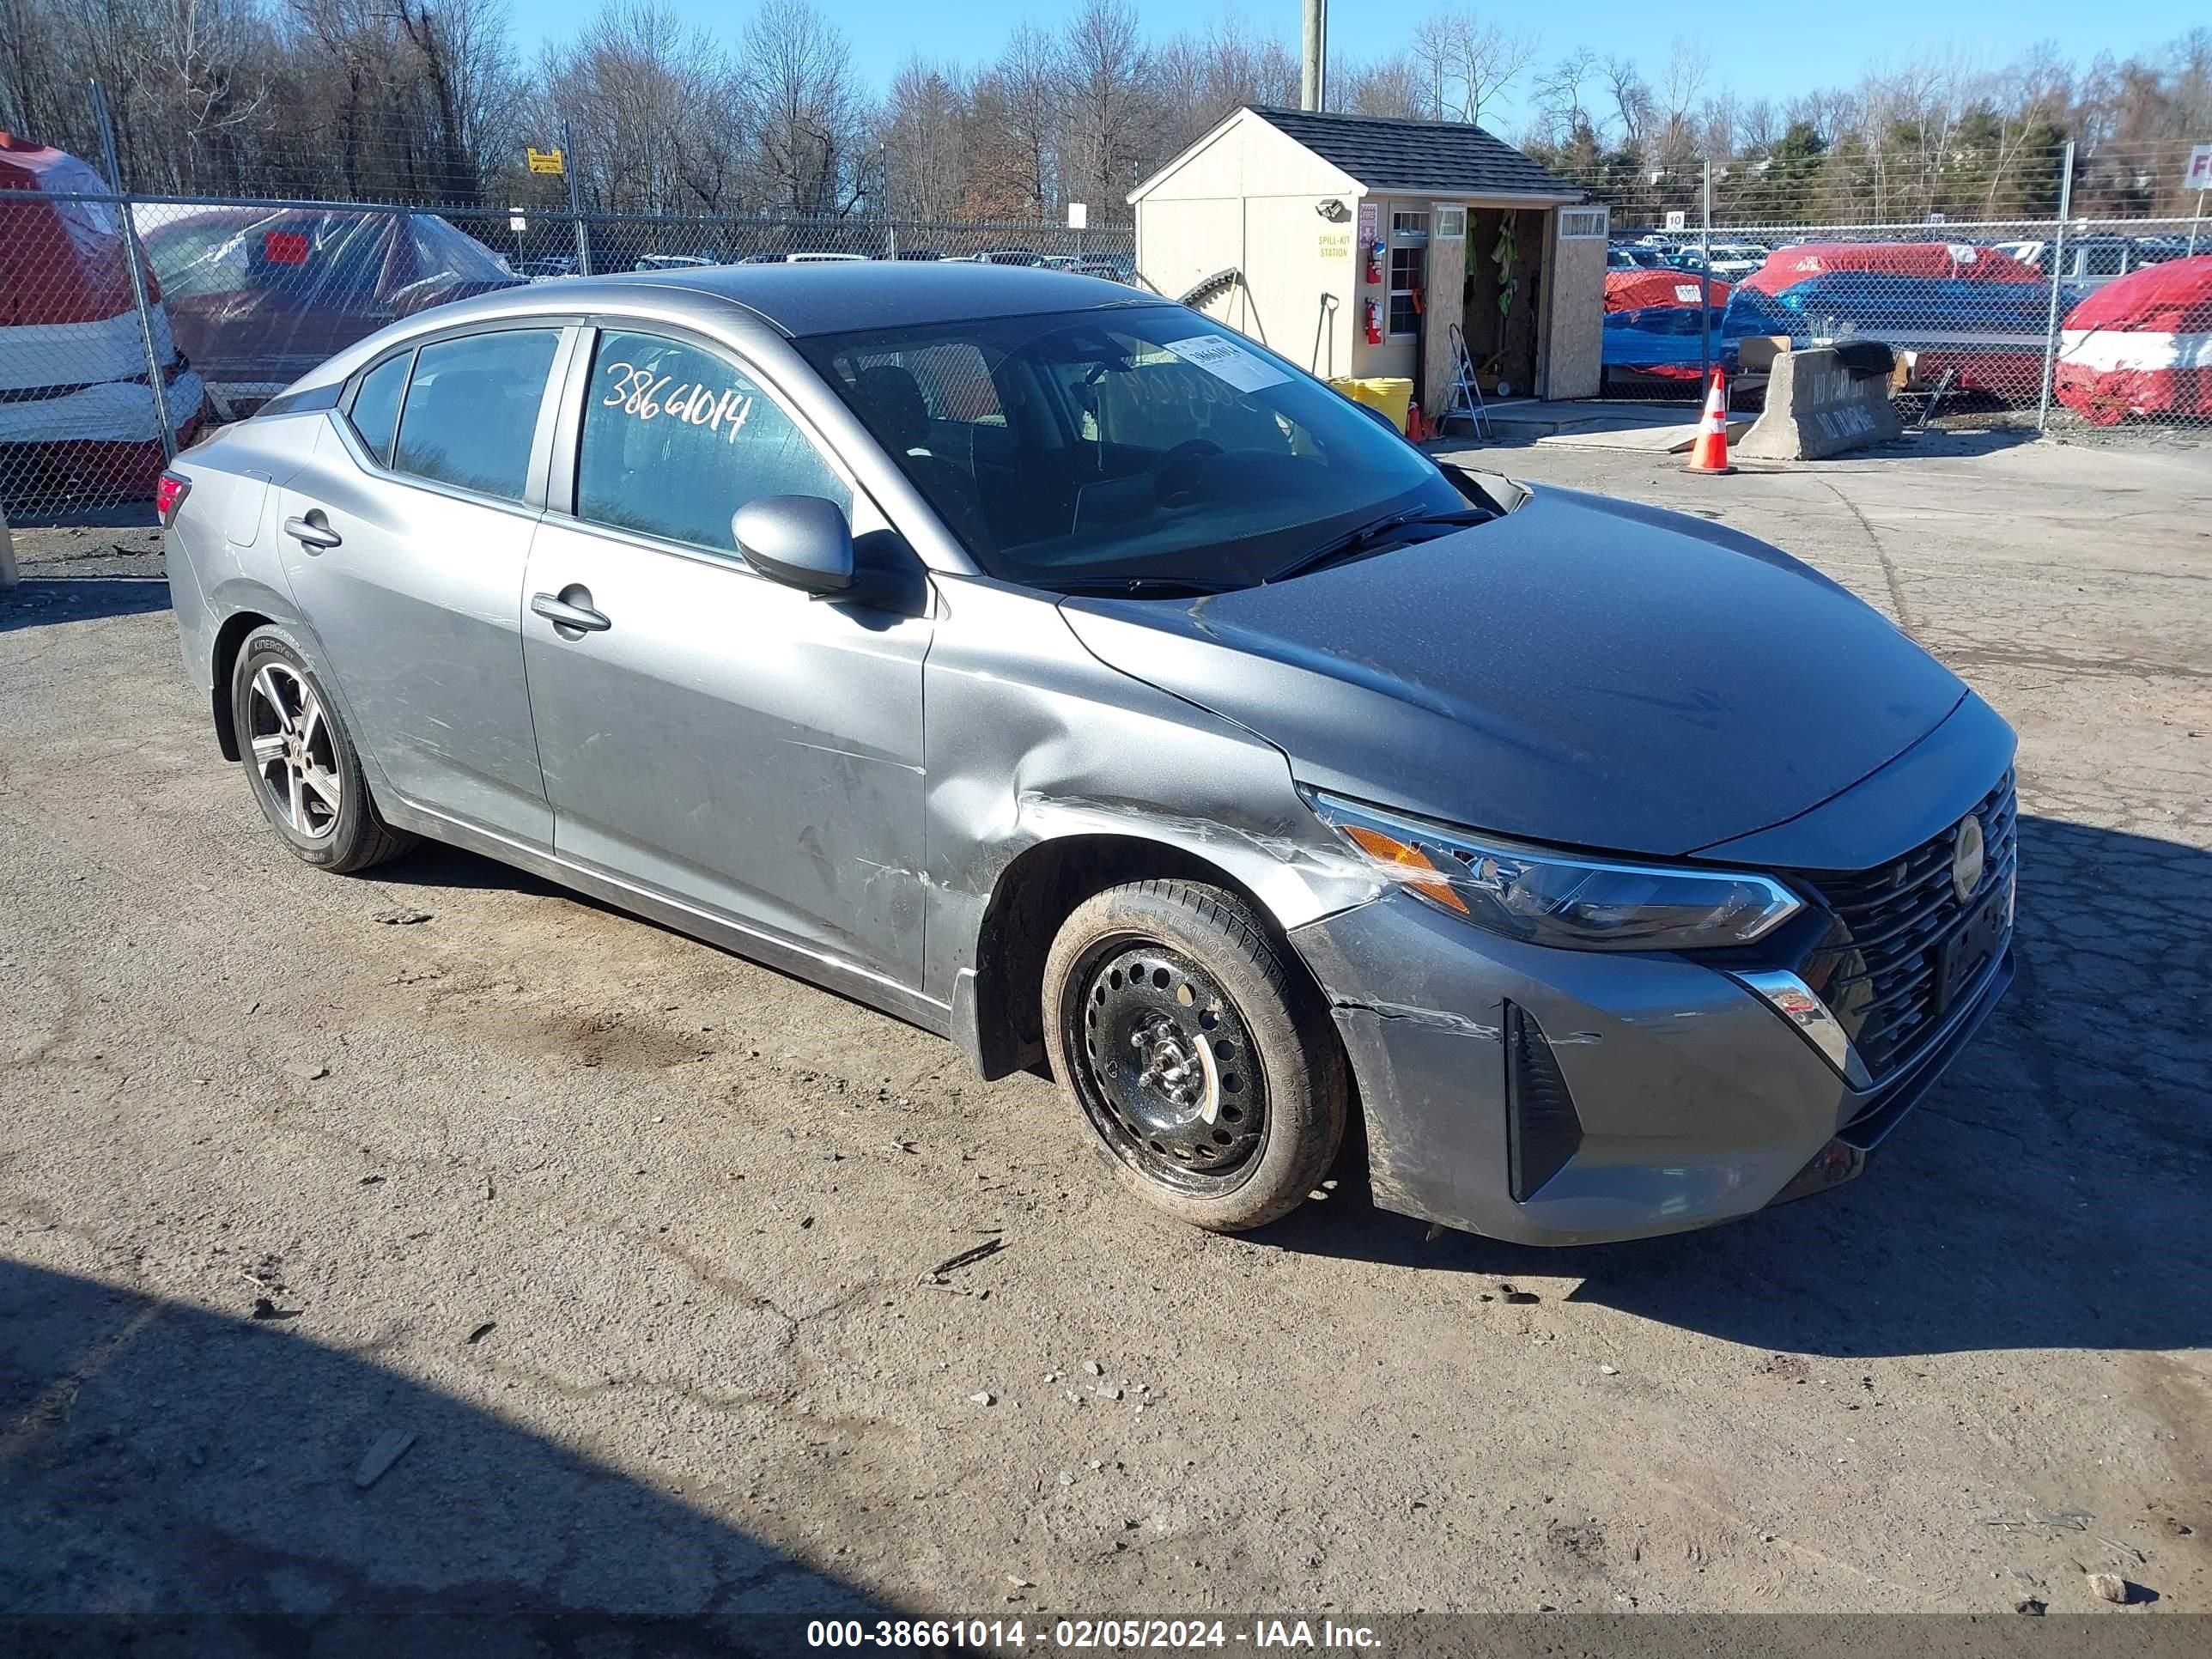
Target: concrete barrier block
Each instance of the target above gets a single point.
(1816, 407)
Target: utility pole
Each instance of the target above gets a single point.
(1313, 79)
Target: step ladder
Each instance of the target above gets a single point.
(1465, 402)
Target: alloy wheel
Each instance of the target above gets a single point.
(1166, 1070)
(294, 751)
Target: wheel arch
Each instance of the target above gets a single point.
(997, 999)
(229, 641)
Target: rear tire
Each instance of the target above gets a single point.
(300, 760)
(1198, 1054)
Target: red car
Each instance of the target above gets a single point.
(258, 296)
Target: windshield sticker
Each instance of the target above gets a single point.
(1226, 361)
(640, 393)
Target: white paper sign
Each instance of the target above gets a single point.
(1687, 293)
(1226, 361)
(1676, 219)
(1078, 215)
(2199, 176)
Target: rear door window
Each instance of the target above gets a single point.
(675, 439)
(471, 410)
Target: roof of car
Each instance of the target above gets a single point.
(833, 296)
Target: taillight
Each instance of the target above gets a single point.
(169, 494)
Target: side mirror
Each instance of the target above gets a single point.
(801, 541)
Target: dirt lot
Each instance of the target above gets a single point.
(628, 1234)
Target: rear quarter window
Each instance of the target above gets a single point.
(374, 415)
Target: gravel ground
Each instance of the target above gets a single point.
(633, 1238)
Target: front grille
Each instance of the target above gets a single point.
(1879, 968)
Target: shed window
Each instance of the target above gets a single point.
(1408, 277)
(1409, 270)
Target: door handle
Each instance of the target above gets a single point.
(561, 614)
(312, 531)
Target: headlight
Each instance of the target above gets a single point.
(1560, 898)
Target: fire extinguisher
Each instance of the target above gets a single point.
(1372, 315)
(1374, 262)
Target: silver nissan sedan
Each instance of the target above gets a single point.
(1049, 666)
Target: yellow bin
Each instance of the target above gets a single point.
(1391, 393)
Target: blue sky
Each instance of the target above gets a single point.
(1775, 51)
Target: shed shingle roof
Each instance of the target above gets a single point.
(1445, 157)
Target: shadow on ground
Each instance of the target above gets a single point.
(158, 1459)
(2016, 1207)
(34, 603)
(2049, 1193)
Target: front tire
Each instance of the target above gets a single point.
(300, 760)
(1197, 1052)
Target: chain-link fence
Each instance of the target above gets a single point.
(2069, 325)
(242, 297)
(128, 320)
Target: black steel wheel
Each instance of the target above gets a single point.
(1196, 1050)
(1166, 1070)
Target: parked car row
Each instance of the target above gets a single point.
(1729, 260)
(1115, 267)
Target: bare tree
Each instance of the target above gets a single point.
(1017, 113)
(795, 75)
(1633, 107)
(1562, 102)
(1104, 77)
(632, 85)
(1391, 87)
(1469, 63)
(925, 134)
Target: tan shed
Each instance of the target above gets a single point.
(1350, 244)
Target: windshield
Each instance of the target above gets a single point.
(1145, 444)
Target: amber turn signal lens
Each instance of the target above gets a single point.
(1410, 862)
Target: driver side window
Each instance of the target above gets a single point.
(675, 439)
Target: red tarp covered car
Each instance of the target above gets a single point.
(76, 412)
(1652, 326)
(261, 295)
(1976, 315)
(2142, 345)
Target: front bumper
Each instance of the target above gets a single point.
(1695, 1101)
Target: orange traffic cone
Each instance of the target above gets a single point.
(1709, 452)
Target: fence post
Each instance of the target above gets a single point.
(2194, 223)
(2057, 273)
(131, 257)
(575, 203)
(1705, 279)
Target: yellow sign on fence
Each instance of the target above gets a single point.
(544, 160)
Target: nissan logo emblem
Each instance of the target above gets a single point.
(1966, 857)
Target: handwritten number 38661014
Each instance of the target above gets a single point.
(641, 394)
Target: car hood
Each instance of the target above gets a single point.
(1583, 671)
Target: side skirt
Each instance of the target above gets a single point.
(832, 973)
